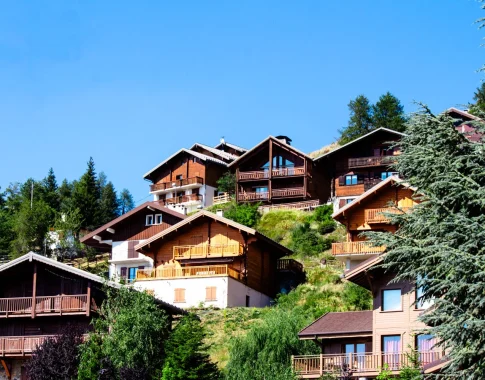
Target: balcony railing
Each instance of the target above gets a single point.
(167, 273)
(288, 171)
(310, 366)
(50, 305)
(177, 183)
(253, 196)
(220, 199)
(256, 174)
(362, 162)
(355, 247)
(21, 345)
(377, 215)
(289, 265)
(287, 193)
(206, 251)
(181, 199)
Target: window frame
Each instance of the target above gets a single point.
(147, 218)
(383, 310)
(156, 219)
(212, 290)
(181, 295)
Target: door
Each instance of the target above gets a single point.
(132, 274)
(391, 348)
(355, 356)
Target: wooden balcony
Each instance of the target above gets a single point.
(357, 365)
(355, 248)
(363, 162)
(253, 175)
(288, 193)
(283, 171)
(44, 306)
(176, 183)
(18, 346)
(168, 273)
(203, 251)
(221, 199)
(303, 205)
(289, 265)
(253, 196)
(181, 199)
(377, 215)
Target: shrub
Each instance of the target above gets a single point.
(357, 297)
(227, 183)
(327, 226)
(308, 242)
(246, 214)
(323, 213)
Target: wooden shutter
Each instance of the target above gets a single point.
(210, 293)
(123, 272)
(179, 295)
(341, 180)
(132, 254)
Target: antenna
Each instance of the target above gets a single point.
(222, 141)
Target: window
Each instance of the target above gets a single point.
(421, 304)
(247, 301)
(385, 175)
(355, 348)
(261, 189)
(149, 220)
(347, 201)
(391, 346)
(210, 293)
(178, 177)
(132, 274)
(391, 300)
(355, 353)
(424, 342)
(158, 218)
(179, 295)
(351, 180)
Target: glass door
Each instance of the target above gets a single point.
(355, 356)
(391, 348)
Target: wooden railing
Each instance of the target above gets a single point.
(304, 205)
(21, 345)
(248, 197)
(186, 272)
(290, 192)
(256, 174)
(176, 183)
(311, 365)
(206, 250)
(181, 199)
(288, 171)
(22, 306)
(361, 162)
(377, 215)
(289, 265)
(355, 247)
(220, 199)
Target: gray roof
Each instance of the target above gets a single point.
(221, 153)
(340, 323)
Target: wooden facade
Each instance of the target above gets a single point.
(274, 172)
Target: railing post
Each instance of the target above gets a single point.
(321, 364)
(88, 301)
(34, 289)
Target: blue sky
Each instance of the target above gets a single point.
(129, 83)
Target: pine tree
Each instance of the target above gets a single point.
(86, 196)
(51, 195)
(108, 204)
(388, 113)
(186, 356)
(360, 121)
(125, 202)
(478, 108)
(440, 243)
(65, 194)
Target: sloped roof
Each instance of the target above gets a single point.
(233, 146)
(372, 190)
(221, 219)
(462, 113)
(382, 129)
(114, 222)
(291, 147)
(220, 153)
(203, 157)
(339, 323)
(357, 275)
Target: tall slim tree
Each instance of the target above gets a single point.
(125, 201)
(108, 204)
(65, 195)
(51, 196)
(440, 243)
(388, 112)
(478, 108)
(360, 121)
(86, 195)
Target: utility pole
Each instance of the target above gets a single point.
(31, 195)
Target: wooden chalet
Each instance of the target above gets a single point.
(465, 123)
(367, 213)
(275, 172)
(39, 297)
(359, 165)
(208, 259)
(120, 236)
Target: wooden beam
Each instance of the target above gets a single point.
(110, 230)
(88, 308)
(6, 368)
(34, 289)
(270, 168)
(209, 231)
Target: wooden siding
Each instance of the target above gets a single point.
(183, 165)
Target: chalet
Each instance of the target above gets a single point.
(121, 235)
(274, 172)
(358, 165)
(366, 213)
(209, 260)
(464, 123)
(38, 298)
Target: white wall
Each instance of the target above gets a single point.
(209, 195)
(119, 259)
(238, 292)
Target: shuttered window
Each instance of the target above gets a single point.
(132, 254)
(179, 295)
(210, 293)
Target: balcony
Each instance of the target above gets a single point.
(221, 199)
(160, 187)
(21, 345)
(357, 365)
(168, 273)
(355, 248)
(44, 306)
(289, 265)
(253, 196)
(363, 162)
(292, 192)
(283, 171)
(206, 251)
(181, 199)
(377, 215)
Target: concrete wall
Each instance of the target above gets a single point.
(120, 257)
(238, 293)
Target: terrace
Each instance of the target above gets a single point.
(44, 306)
(178, 183)
(355, 247)
(167, 273)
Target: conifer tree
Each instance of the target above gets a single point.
(65, 194)
(108, 204)
(86, 195)
(125, 202)
(360, 121)
(388, 113)
(478, 108)
(440, 243)
(51, 196)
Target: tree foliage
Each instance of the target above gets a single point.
(227, 183)
(125, 202)
(86, 194)
(440, 243)
(360, 121)
(245, 213)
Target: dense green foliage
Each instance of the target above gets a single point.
(186, 355)
(244, 213)
(440, 244)
(478, 108)
(365, 117)
(227, 183)
(30, 210)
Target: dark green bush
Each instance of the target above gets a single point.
(307, 242)
(327, 226)
(244, 213)
(323, 213)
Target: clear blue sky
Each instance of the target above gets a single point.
(129, 83)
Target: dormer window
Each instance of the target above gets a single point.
(158, 218)
(149, 220)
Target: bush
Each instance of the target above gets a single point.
(246, 213)
(227, 183)
(307, 242)
(327, 226)
(323, 213)
(357, 297)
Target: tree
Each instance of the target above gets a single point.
(478, 108)
(51, 196)
(360, 121)
(227, 183)
(440, 243)
(57, 358)
(186, 356)
(244, 213)
(388, 113)
(65, 195)
(109, 205)
(125, 202)
(86, 195)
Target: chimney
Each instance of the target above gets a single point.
(222, 141)
(220, 213)
(284, 139)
